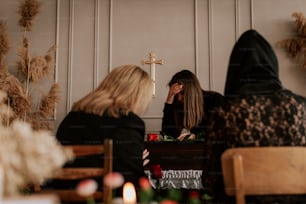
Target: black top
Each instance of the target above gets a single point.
(127, 133)
(257, 112)
(211, 100)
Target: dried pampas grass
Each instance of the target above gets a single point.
(41, 66)
(22, 90)
(300, 22)
(24, 58)
(296, 46)
(18, 99)
(28, 9)
(48, 102)
(29, 156)
(4, 41)
(6, 112)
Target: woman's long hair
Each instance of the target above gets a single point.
(127, 88)
(193, 100)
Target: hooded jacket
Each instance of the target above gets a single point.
(253, 67)
(258, 111)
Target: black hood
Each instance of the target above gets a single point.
(253, 67)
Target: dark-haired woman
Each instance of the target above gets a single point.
(187, 108)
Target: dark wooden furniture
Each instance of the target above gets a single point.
(177, 155)
(77, 173)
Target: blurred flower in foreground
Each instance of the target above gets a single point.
(29, 156)
(87, 188)
(146, 192)
(194, 197)
(168, 202)
(113, 180)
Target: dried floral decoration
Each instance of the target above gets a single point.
(28, 9)
(296, 46)
(25, 97)
(27, 156)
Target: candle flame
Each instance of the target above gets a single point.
(129, 193)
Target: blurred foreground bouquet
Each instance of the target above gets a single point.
(28, 156)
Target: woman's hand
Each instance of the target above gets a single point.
(173, 90)
(145, 155)
(188, 135)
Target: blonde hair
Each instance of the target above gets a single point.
(127, 88)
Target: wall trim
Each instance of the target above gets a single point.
(237, 19)
(196, 38)
(110, 45)
(70, 55)
(210, 41)
(252, 14)
(96, 44)
(56, 64)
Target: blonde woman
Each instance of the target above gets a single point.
(113, 110)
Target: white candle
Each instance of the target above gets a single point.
(129, 193)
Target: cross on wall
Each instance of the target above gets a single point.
(152, 63)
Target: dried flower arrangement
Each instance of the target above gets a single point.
(30, 71)
(296, 46)
(27, 156)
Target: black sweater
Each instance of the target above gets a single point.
(127, 133)
(211, 100)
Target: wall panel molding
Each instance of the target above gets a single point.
(110, 45)
(70, 55)
(57, 29)
(237, 19)
(196, 38)
(251, 14)
(211, 44)
(96, 44)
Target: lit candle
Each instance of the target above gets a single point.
(129, 193)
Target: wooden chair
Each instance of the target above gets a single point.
(77, 173)
(32, 199)
(264, 171)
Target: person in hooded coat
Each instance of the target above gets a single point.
(258, 111)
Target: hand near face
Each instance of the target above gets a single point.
(173, 90)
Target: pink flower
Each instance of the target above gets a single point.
(144, 183)
(168, 202)
(113, 180)
(87, 187)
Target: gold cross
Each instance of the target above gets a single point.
(152, 63)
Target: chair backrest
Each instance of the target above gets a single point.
(264, 171)
(80, 173)
(32, 199)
